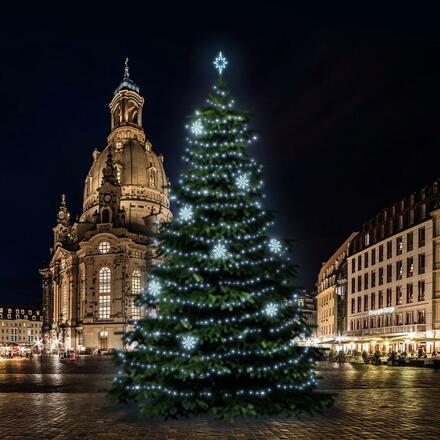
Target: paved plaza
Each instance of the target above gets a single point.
(49, 400)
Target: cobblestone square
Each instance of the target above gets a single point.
(50, 400)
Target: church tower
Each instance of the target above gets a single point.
(100, 263)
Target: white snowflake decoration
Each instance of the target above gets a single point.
(189, 342)
(220, 63)
(271, 310)
(186, 213)
(219, 251)
(243, 182)
(197, 127)
(275, 246)
(154, 288)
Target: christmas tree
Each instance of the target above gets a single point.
(228, 335)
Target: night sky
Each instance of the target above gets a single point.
(346, 103)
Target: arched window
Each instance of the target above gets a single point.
(104, 247)
(118, 172)
(136, 282)
(104, 280)
(132, 112)
(136, 311)
(87, 185)
(105, 216)
(153, 178)
(116, 116)
(64, 300)
(135, 118)
(104, 291)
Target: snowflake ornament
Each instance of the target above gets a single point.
(154, 288)
(189, 342)
(271, 310)
(242, 182)
(219, 251)
(275, 246)
(197, 127)
(220, 63)
(186, 213)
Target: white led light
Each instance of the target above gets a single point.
(242, 182)
(154, 288)
(197, 127)
(275, 246)
(220, 63)
(219, 251)
(186, 213)
(189, 342)
(271, 309)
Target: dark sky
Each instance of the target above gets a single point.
(347, 103)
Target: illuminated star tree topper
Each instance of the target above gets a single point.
(220, 63)
(222, 338)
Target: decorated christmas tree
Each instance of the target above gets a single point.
(228, 335)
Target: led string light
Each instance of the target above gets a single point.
(250, 298)
(243, 317)
(217, 194)
(237, 238)
(203, 255)
(230, 306)
(258, 392)
(217, 149)
(251, 164)
(217, 356)
(225, 371)
(215, 155)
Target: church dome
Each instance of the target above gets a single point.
(138, 169)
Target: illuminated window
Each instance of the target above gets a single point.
(135, 289)
(136, 282)
(104, 280)
(64, 301)
(104, 306)
(118, 172)
(104, 247)
(135, 310)
(153, 178)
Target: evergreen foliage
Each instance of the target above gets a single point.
(227, 339)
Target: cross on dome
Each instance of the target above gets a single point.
(126, 69)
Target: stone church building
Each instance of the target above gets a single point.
(99, 263)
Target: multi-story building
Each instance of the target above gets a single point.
(307, 301)
(394, 277)
(332, 294)
(99, 264)
(20, 325)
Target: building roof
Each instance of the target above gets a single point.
(127, 83)
(19, 312)
(407, 212)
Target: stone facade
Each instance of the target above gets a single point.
(393, 273)
(99, 264)
(20, 325)
(332, 295)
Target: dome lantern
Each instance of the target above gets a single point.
(126, 110)
(129, 162)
